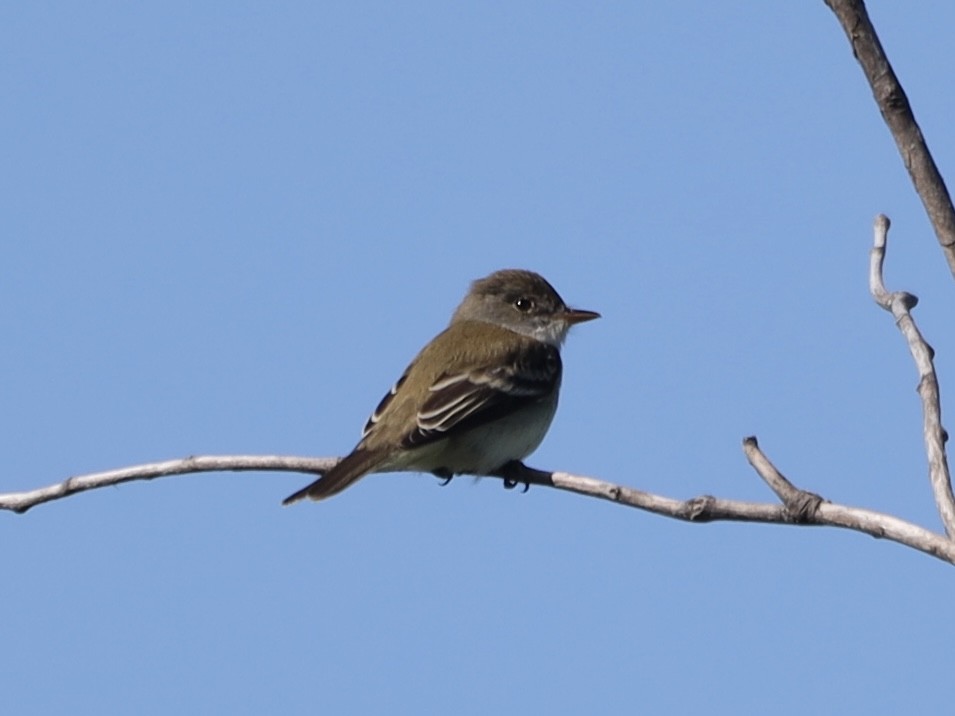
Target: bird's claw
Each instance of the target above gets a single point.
(510, 484)
(444, 475)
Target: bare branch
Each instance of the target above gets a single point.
(22, 501)
(900, 305)
(801, 505)
(699, 509)
(704, 508)
(898, 115)
(810, 509)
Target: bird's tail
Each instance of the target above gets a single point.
(351, 469)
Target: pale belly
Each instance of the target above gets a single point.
(487, 447)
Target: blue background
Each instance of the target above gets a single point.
(227, 228)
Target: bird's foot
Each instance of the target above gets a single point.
(510, 484)
(514, 473)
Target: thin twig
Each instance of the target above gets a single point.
(897, 113)
(22, 501)
(802, 505)
(900, 305)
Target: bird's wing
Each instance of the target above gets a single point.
(460, 400)
(383, 404)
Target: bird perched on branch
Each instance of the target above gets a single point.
(478, 398)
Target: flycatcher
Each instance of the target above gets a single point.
(478, 397)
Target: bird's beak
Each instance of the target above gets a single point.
(578, 315)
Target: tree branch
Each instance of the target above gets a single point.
(897, 113)
(900, 305)
(20, 502)
(704, 508)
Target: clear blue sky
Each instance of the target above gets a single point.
(227, 228)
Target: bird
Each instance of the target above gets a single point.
(478, 399)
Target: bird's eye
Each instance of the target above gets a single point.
(524, 304)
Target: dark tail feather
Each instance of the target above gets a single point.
(352, 468)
